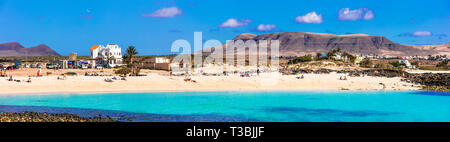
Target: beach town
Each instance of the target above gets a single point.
(107, 69)
(224, 61)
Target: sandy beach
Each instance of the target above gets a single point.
(161, 81)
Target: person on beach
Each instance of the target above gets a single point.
(299, 76)
(3, 73)
(39, 72)
(29, 80)
(63, 78)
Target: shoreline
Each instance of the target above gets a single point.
(178, 91)
(155, 82)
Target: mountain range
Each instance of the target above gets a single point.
(16, 49)
(291, 44)
(302, 43)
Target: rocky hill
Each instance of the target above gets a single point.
(442, 49)
(16, 49)
(301, 43)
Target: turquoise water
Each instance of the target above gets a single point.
(305, 106)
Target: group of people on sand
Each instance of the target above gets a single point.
(62, 78)
(343, 78)
(3, 74)
(93, 74)
(114, 78)
(245, 74)
(187, 78)
(16, 80)
(300, 76)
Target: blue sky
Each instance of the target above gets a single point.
(152, 25)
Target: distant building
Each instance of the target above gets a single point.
(338, 56)
(159, 60)
(406, 62)
(110, 55)
(73, 56)
(358, 59)
(160, 63)
(17, 63)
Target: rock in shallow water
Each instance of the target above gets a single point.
(44, 117)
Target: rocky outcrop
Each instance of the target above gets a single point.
(431, 79)
(44, 117)
(365, 72)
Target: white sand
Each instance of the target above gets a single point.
(155, 82)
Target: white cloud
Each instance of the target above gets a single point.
(311, 17)
(369, 15)
(268, 27)
(233, 23)
(165, 13)
(347, 14)
(421, 33)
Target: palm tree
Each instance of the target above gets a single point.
(109, 58)
(130, 53)
(331, 54)
(318, 54)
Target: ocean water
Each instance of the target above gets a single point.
(299, 106)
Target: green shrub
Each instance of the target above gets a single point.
(397, 64)
(296, 60)
(383, 66)
(366, 63)
(123, 70)
(443, 64)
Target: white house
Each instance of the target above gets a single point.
(101, 54)
(406, 62)
(338, 56)
(159, 60)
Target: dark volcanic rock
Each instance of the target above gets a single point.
(322, 71)
(431, 79)
(383, 72)
(45, 117)
(123, 116)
